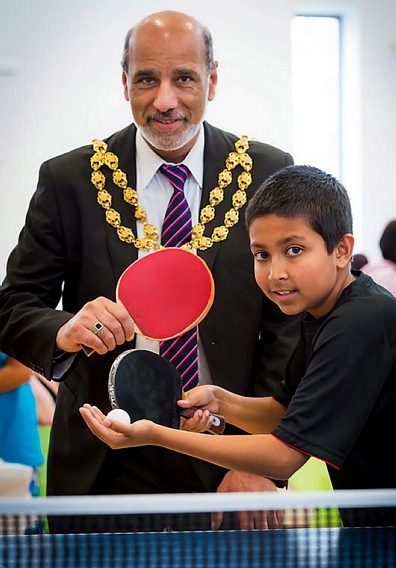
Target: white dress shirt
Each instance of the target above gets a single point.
(154, 192)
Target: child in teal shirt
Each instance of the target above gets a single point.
(19, 434)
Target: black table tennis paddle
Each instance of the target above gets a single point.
(146, 385)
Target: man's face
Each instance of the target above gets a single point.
(168, 86)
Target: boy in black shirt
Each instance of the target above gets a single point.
(338, 399)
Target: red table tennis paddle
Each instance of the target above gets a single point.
(146, 385)
(166, 292)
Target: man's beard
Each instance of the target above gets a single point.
(167, 141)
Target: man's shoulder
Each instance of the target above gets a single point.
(214, 135)
(118, 142)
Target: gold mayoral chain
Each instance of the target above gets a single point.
(150, 240)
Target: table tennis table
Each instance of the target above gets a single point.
(276, 548)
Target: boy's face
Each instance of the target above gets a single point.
(293, 267)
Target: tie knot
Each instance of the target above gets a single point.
(177, 174)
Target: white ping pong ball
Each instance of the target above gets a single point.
(120, 415)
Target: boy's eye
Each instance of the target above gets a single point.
(261, 255)
(294, 251)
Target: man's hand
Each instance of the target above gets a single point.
(235, 481)
(118, 327)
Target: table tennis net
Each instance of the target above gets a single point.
(323, 529)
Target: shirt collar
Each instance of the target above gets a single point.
(148, 162)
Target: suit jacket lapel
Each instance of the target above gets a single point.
(122, 254)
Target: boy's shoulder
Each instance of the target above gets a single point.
(365, 287)
(366, 305)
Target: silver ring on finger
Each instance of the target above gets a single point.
(97, 327)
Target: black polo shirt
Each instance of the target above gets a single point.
(340, 388)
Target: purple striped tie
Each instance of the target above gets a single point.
(181, 351)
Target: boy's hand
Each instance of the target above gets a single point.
(203, 397)
(201, 421)
(115, 434)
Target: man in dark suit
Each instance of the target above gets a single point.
(82, 230)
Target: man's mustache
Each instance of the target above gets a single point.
(169, 114)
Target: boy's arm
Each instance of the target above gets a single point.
(259, 454)
(254, 415)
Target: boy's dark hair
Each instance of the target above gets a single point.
(388, 242)
(308, 192)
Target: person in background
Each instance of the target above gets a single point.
(384, 272)
(19, 433)
(97, 209)
(338, 398)
(45, 395)
(358, 261)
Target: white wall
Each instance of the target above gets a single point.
(369, 112)
(60, 86)
(378, 107)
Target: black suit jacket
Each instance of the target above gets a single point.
(67, 249)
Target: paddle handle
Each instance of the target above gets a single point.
(87, 350)
(218, 424)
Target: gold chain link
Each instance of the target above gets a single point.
(198, 241)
